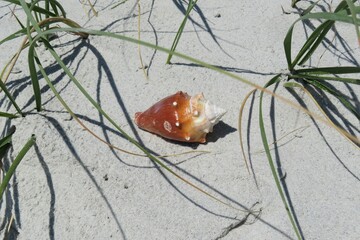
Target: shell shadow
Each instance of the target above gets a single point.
(220, 131)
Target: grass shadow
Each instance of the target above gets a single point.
(302, 103)
(280, 172)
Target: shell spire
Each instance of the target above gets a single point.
(181, 117)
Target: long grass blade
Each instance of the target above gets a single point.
(310, 8)
(8, 138)
(329, 70)
(354, 13)
(270, 160)
(10, 97)
(335, 93)
(287, 47)
(36, 9)
(240, 128)
(5, 144)
(16, 34)
(315, 39)
(34, 78)
(7, 115)
(319, 33)
(191, 5)
(15, 164)
(297, 85)
(325, 78)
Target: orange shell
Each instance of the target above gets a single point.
(178, 117)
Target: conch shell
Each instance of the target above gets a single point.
(181, 117)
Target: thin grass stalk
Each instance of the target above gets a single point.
(7, 139)
(42, 10)
(7, 115)
(18, 20)
(12, 100)
(15, 164)
(270, 160)
(325, 78)
(139, 46)
(297, 85)
(54, 4)
(336, 94)
(180, 30)
(319, 38)
(278, 140)
(47, 7)
(240, 127)
(354, 16)
(329, 70)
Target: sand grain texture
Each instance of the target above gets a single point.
(71, 186)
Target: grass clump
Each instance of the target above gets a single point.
(318, 79)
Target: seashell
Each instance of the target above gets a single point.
(181, 117)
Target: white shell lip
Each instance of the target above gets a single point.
(213, 114)
(210, 114)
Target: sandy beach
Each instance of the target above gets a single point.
(70, 185)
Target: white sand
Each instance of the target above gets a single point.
(72, 186)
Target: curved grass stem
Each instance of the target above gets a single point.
(271, 162)
(15, 164)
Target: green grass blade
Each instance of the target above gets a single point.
(354, 13)
(47, 7)
(146, 44)
(34, 77)
(325, 78)
(36, 9)
(8, 94)
(8, 138)
(317, 38)
(54, 5)
(293, 3)
(340, 16)
(329, 70)
(18, 20)
(287, 47)
(32, 57)
(15, 164)
(17, 34)
(7, 115)
(310, 8)
(270, 160)
(335, 93)
(191, 5)
(5, 144)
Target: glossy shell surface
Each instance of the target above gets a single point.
(181, 117)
